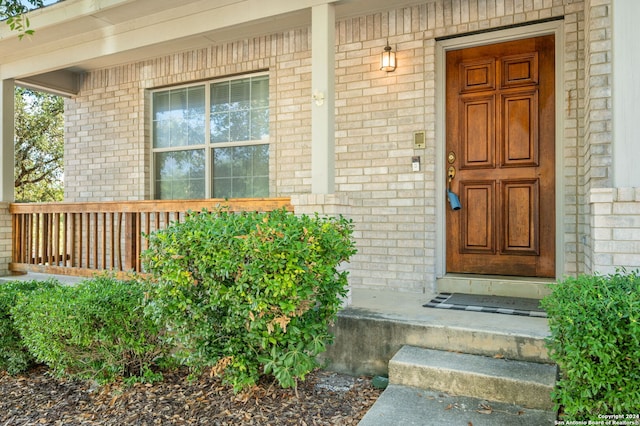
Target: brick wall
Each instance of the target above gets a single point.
(377, 114)
(107, 147)
(595, 150)
(393, 207)
(615, 227)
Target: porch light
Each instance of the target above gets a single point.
(388, 59)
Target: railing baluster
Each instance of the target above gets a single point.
(119, 240)
(95, 240)
(103, 246)
(72, 237)
(112, 245)
(55, 238)
(63, 239)
(81, 240)
(138, 238)
(38, 251)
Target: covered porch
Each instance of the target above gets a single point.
(345, 136)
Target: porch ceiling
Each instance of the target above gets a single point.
(75, 36)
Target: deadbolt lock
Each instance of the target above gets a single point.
(451, 158)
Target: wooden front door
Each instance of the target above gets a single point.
(501, 144)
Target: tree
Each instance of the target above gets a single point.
(14, 12)
(39, 146)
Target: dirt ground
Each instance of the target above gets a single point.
(325, 398)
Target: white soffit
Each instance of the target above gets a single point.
(80, 35)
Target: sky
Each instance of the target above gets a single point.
(46, 2)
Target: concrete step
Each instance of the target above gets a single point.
(520, 383)
(367, 338)
(408, 406)
(527, 287)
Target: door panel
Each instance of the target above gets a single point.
(520, 211)
(478, 129)
(501, 130)
(478, 224)
(520, 123)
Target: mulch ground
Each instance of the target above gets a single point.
(325, 398)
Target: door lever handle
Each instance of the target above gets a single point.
(454, 201)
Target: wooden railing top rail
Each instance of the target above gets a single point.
(153, 206)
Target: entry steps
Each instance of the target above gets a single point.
(435, 387)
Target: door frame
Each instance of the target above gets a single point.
(556, 28)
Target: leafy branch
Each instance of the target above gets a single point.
(14, 11)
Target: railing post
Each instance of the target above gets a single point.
(6, 240)
(130, 242)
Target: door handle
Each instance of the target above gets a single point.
(454, 201)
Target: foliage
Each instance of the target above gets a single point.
(39, 146)
(15, 10)
(93, 330)
(14, 356)
(595, 340)
(249, 294)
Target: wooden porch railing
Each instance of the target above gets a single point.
(84, 238)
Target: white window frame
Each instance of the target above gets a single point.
(208, 146)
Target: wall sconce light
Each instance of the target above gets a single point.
(388, 59)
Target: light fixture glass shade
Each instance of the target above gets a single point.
(388, 59)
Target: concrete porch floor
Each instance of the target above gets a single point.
(36, 276)
(408, 307)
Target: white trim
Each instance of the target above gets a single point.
(625, 95)
(7, 147)
(323, 168)
(535, 30)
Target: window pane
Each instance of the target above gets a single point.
(195, 115)
(180, 174)
(179, 117)
(260, 124)
(220, 127)
(260, 92)
(220, 97)
(162, 134)
(161, 120)
(260, 160)
(241, 171)
(179, 130)
(240, 110)
(239, 126)
(160, 106)
(240, 94)
(222, 162)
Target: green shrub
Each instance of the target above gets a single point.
(595, 340)
(93, 330)
(249, 294)
(14, 356)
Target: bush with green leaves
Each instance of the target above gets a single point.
(595, 340)
(249, 294)
(14, 355)
(93, 330)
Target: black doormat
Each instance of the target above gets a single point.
(491, 304)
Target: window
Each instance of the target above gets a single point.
(212, 139)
